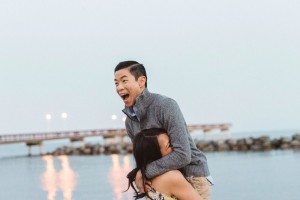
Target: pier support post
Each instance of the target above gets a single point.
(110, 135)
(32, 143)
(40, 148)
(122, 136)
(208, 132)
(82, 143)
(226, 131)
(78, 138)
(221, 136)
(112, 140)
(29, 150)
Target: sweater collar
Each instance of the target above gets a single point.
(141, 102)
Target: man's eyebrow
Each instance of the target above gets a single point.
(122, 77)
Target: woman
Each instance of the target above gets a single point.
(150, 145)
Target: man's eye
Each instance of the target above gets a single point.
(116, 84)
(124, 81)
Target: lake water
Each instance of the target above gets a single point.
(273, 175)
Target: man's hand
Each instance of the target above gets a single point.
(139, 183)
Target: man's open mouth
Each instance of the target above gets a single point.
(125, 96)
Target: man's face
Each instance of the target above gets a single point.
(127, 87)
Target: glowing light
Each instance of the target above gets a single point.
(124, 119)
(114, 117)
(64, 115)
(48, 116)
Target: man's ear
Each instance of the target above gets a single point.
(142, 81)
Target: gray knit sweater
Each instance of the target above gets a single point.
(158, 111)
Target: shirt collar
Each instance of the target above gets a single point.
(133, 112)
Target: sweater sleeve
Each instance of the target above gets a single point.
(173, 122)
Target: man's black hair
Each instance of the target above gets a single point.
(135, 68)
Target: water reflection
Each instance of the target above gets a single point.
(49, 180)
(63, 180)
(66, 178)
(117, 176)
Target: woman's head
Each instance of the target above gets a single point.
(150, 145)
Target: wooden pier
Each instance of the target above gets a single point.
(32, 139)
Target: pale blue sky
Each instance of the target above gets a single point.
(223, 61)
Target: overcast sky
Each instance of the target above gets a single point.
(222, 61)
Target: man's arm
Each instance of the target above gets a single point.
(172, 119)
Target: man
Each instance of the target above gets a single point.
(146, 110)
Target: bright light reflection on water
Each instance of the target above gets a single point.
(63, 180)
(116, 176)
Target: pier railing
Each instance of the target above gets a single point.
(36, 139)
(31, 138)
(73, 135)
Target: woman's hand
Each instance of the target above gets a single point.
(139, 183)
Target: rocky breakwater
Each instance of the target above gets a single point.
(263, 143)
(93, 149)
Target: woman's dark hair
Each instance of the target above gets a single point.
(135, 68)
(145, 150)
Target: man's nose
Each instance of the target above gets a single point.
(119, 87)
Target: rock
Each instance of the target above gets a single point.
(86, 151)
(295, 144)
(257, 141)
(276, 143)
(264, 139)
(234, 148)
(241, 142)
(68, 150)
(76, 152)
(243, 147)
(296, 137)
(114, 149)
(267, 145)
(209, 147)
(95, 152)
(249, 141)
(285, 140)
(231, 142)
(285, 146)
(201, 145)
(256, 147)
(129, 148)
(223, 147)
